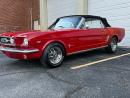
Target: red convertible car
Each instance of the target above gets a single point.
(67, 35)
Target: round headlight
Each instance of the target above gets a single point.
(12, 41)
(25, 42)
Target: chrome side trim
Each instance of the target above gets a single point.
(87, 50)
(18, 50)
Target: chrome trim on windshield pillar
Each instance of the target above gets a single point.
(80, 23)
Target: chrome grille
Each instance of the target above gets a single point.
(5, 40)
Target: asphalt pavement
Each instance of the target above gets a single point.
(107, 79)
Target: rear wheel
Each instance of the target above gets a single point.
(53, 56)
(112, 47)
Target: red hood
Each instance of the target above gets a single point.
(20, 34)
(31, 34)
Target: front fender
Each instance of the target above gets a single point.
(55, 41)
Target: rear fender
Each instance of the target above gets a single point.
(111, 34)
(118, 32)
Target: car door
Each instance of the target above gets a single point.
(93, 36)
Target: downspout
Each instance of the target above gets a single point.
(31, 18)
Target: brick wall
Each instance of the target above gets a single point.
(35, 9)
(15, 14)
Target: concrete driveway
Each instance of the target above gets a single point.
(93, 74)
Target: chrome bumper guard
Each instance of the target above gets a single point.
(18, 50)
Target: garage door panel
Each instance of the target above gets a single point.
(106, 3)
(107, 7)
(114, 13)
(120, 18)
(120, 23)
(117, 13)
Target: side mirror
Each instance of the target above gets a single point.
(86, 26)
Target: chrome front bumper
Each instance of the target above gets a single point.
(15, 50)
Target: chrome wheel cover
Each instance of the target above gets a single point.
(55, 55)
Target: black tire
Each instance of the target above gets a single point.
(112, 47)
(53, 56)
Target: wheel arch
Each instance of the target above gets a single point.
(116, 36)
(55, 41)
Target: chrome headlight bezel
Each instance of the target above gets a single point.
(25, 42)
(12, 41)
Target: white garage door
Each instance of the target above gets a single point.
(116, 11)
(59, 8)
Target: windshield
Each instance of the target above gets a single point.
(67, 23)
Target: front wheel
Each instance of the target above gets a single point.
(53, 56)
(112, 47)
